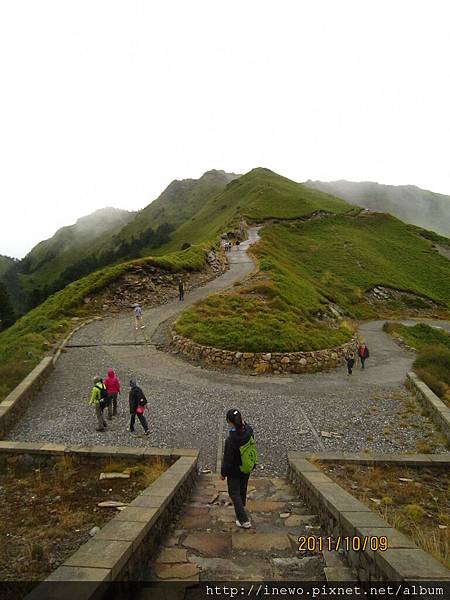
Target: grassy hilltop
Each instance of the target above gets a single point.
(406, 202)
(261, 194)
(309, 265)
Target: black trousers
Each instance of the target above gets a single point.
(181, 294)
(363, 360)
(350, 365)
(237, 490)
(142, 420)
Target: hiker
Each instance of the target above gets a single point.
(138, 402)
(363, 353)
(98, 399)
(112, 385)
(181, 290)
(350, 360)
(239, 460)
(237, 244)
(138, 316)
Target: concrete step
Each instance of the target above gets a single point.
(204, 543)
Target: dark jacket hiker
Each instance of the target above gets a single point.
(239, 459)
(350, 360)
(137, 402)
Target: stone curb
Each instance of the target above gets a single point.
(261, 363)
(183, 454)
(407, 460)
(344, 516)
(438, 411)
(119, 552)
(61, 346)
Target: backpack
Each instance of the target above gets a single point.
(249, 456)
(103, 394)
(367, 352)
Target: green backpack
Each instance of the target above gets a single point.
(249, 456)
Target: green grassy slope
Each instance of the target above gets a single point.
(5, 263)
(177, 203)
(37, 275)
(433, 354)
(46, 261)
(406, 202)
(310, 264)
(258, 195)
(109, 236)
(24, 344)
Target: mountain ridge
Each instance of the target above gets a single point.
(410, 203)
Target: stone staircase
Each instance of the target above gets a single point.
(205, 545)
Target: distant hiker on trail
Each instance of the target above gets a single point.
(138, 402)
(138, 316)
(112, 385)
(239, 460)
(350, 360)
(238, 243)
(98, 400)
(181, 290)
(363, 353)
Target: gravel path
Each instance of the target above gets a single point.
(187, 403)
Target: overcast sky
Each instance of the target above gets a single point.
(103, 103)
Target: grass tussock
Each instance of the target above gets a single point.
(414, 501)
(49, 509)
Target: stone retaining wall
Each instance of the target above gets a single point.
(343, 515)
(262, 362)
(438, 411)
(112, 564)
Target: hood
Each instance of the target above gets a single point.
(111, 373)
(244, 435)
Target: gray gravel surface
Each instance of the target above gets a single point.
(187, 404)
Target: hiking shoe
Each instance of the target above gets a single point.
(245, 525)
(147, 432)
(130, 430)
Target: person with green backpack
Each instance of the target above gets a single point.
(239, 459)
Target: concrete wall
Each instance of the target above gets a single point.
(343, 515)
(112, 564)
(438, 411)
(22, 395)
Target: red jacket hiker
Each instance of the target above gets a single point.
(363, 351)
(112, 383)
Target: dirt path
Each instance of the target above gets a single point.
(187, 403)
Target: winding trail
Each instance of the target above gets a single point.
(187, 403)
